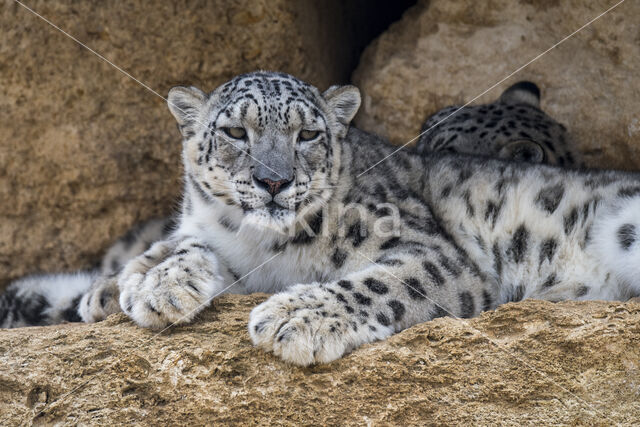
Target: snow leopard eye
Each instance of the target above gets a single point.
(308, 135)
(235, 133)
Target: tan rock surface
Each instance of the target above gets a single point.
(86, 152)
(448, 52)
(533, 363)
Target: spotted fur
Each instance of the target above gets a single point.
(280, 197)
(513, 127)
(81, 296)
(470, 138)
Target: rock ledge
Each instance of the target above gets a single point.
(532, 362)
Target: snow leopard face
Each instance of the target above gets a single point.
(266, 143)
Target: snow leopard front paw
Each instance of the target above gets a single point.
(307, 324)
(175, 290)
(101, 299)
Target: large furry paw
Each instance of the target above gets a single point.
(307, 324)
(172, 292)
(100, 300)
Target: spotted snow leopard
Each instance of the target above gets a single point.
(28, 302)
(282, 195)
(513, 127)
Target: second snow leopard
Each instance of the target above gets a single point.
(280, 196)
(512, 127)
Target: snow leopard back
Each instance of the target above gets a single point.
(512, 127)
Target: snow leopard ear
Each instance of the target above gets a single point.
(185, 104)
(522, 93)
(344, 100)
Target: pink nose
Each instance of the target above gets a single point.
(273, 187)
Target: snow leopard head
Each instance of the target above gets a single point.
(264, 143)
(513, 127)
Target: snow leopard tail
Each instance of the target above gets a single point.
(44, 299)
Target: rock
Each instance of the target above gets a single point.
(532, 362)
(86, 152)
(443, 53)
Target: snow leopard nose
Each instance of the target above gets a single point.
(273, 187)
(274, 159)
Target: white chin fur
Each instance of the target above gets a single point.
(260, 221)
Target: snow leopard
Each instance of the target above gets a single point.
(27, 302)
(355, 239)
(512, 127)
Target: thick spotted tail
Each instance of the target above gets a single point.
(44, 299)
(617, 240)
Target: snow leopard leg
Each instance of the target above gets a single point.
(172, 282)
(318, 323)
(44, 299)
(102, 299)
(616, 239)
